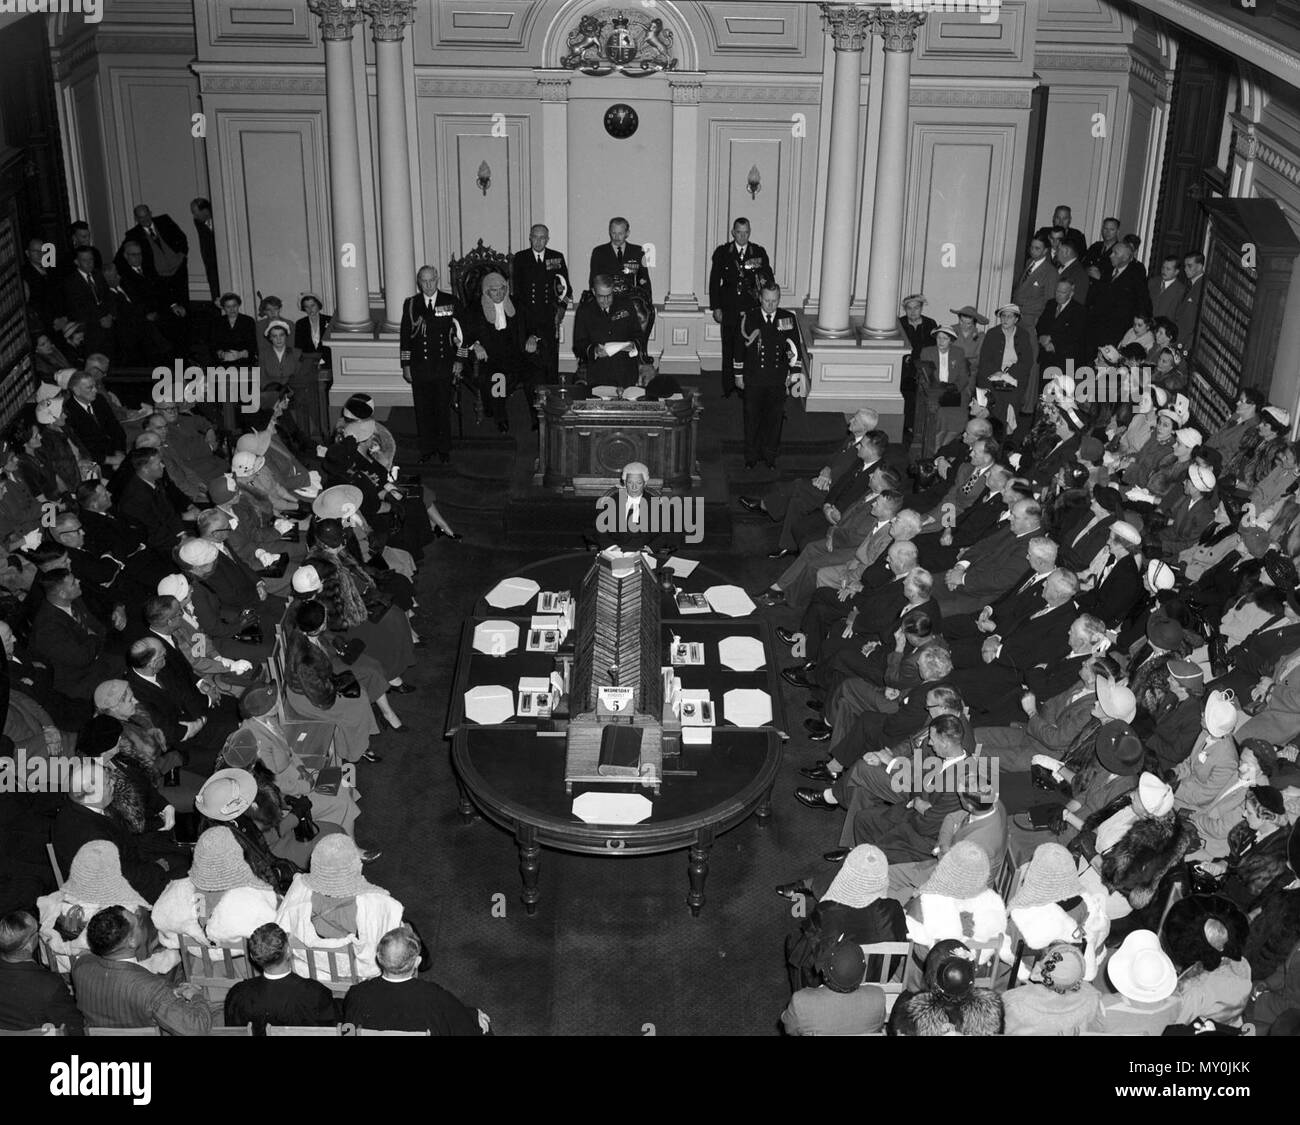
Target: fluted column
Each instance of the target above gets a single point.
(849, 28)
(388, 20)
(351, 290)
(682, 252)
(898, 30)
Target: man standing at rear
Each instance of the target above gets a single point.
(768, 349)
(166, 251)
(740, 269)
(539, 277)
(431, 359)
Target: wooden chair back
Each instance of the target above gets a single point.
(335, 968)
(214, 968)
(886, 965)
(153, 1029)
(332, 1030)
(235, 1032)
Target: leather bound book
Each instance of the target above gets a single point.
(620, 751)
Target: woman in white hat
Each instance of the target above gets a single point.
(333, 906)
(231, 676)
(1005, 360)
(1208, 782)
(95, 881)
(281, 362)
(1257, 455)
(219, 901)
(1145, 981)
(1156, 453)
(1169, 478)
(1190, 510)
(944, 389)
(250, 469)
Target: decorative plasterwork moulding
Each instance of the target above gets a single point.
(427, 86)
(981, 99)
(794, 95)
(268, 83)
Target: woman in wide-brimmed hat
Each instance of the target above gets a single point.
(970, 333)
(1205, 937)
(333, 906)
(221, 900)
(95, 881)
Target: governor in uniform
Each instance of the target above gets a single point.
(431, 341)
(607, 336)
(740, 270)
(768, 348)
(540, 279)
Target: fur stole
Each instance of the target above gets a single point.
(1145, 854)
(928, 1013)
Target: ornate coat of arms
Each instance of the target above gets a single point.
(614, 39)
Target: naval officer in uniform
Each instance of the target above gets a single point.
(769, 350)
(431, 357)
(739, 271)
(540, 278)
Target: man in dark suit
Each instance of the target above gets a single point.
(1062, 218)
(278, 996)
(31, 995)
(68, 639)
(805, 496)
(1097, 260)
(44, 286)
(1167, 290)
(228, 601)
(1114, 301)
(79, 238)
(85, 299)
(92, 422)
(739, 271)
(153, 502)
(608, 321)
(769, 348)
(399, 1001)
(201, 213)
(991, 566)
(1061, 330)
(165, 315)
(1070, 268)
(1037, 282)
(113, 990)
(1003, 614)
(1188, 316)
(149, 860)
(539, 281)
(621, 261)
(166, 251)
(194, 723)
(432, 357)
(107, 534)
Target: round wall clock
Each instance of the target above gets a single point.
(621, 121)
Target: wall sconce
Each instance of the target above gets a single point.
(484, 177)
(754, 183)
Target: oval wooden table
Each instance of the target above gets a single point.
(514, 772)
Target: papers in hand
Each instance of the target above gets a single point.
(510, 592)
(616, 346)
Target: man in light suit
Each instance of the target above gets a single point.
(1049, 729)
(1167, 290)
(1279, 721)
(970, 482)
(885, 510)
(1036, 285)
(991, 566)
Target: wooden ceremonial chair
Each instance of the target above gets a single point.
(988, 961)
(153, 1029)
(890, 965)
(46, 1029)
(465, 282)
(233, 1032)
(215, 969)
(334, 1030)
(341, 965)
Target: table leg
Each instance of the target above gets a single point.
(530, 865)
(463, 804)
(764, 810)
(698, 869)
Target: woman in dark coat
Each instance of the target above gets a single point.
(949, 1000)
(1005, 377)
(856, 907)
(918, 331)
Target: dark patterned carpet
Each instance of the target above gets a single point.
(613, 949)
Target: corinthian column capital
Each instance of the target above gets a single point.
(389, 18)
(898, 27)
(849, 25)
(337, 17)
